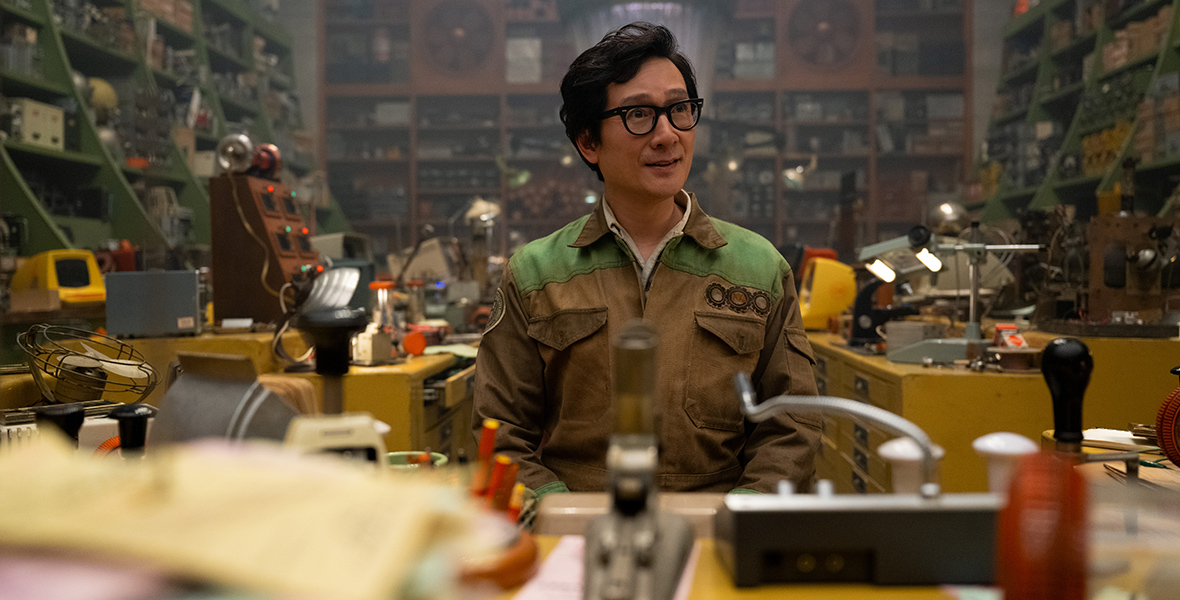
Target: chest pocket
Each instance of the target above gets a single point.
(722, 346)
(576, 352)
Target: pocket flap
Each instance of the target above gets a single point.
(743, 335)
(797, 339)
(563, 328)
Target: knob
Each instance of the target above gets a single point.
(1066, 365)
(66, 417)
(133, 422)
(331, 330)
(1002, 450)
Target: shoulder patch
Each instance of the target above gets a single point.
(497, 311)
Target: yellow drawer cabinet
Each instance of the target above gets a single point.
(955, 406)
(396, 395)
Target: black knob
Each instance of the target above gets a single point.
(1066, 365)
(331, 330)
(66, 417)
(1176, 371)
(133, 422)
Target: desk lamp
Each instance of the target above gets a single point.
(920, 250)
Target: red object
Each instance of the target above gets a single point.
(1019, 8)
(487, 447)
(1041, 547)
(1167, 426)
(499, 468)
(137, 162)
(414, 343)
(810, 253)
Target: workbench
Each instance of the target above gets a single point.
(711, 582)
(955, 406)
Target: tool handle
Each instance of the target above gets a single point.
(1067, 365)
(66, 417)
(332, 329)
(133, 423)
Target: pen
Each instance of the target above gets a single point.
(502, 495)
(498, 469)
(487, 447)
(515, 502)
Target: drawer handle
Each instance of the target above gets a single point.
(861, 435)
(821, 385)
(821, 365)
(861, 385)
(858, 484)
(860, 458)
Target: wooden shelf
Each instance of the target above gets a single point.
(491, 84)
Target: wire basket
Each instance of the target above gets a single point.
(83, 365)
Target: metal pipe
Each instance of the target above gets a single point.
(842, 406)
(635, 379)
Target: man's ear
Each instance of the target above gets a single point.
(588, 149)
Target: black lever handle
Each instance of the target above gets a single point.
(66, 417)
(332, 329)
(133, 422)
(1067, 365)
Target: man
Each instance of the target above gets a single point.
(721, 298)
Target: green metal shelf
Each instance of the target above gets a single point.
(25, 14)
(69, 156)
(32, 82)
(1131, 64)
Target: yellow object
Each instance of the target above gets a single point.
(73, 273)
(829, 287)
(102, 94)
(955, 406)
(394, 394)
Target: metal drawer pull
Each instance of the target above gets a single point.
(858, 484)
(860, 458)
(861, 435)
(861, 385)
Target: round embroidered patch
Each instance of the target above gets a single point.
(497, 311)
(715, 295)
(738, 299)
(761, 303)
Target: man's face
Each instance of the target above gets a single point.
(643, 168)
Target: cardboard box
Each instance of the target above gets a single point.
(34, 301)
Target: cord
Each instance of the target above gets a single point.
(233, 186)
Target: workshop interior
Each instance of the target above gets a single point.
(248, 250)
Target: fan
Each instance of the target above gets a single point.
(459, 36)
(82, 365)
(824, 33)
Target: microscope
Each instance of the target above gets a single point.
(635, 551)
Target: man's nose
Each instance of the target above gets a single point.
(663, 133)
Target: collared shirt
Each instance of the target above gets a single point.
(644, 268)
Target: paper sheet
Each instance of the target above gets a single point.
(560, 577)
(460, 350)
(245, 517)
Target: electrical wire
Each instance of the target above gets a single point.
(261, 243)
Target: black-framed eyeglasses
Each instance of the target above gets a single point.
(641, 119)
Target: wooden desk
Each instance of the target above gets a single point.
(711, 582)
(955, 406)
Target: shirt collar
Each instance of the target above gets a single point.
(696, 224)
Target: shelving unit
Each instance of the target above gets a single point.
(1107, 88)
(154, 56)
(383, 76)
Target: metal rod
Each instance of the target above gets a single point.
(635, 379)
(842, 406)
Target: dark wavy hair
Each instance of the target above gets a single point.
(615, 59)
